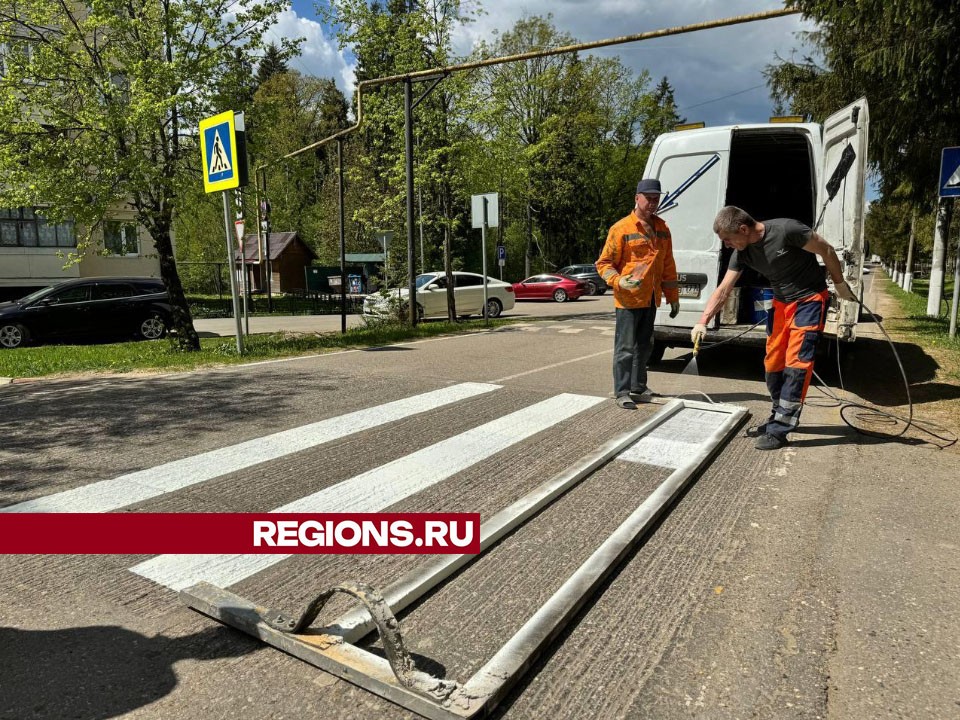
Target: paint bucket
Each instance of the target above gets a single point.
(761, 302)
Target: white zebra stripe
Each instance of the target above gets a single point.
(143, 485)
(376, 489)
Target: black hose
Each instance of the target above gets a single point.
(870, 414)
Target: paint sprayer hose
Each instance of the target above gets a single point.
(867, 413)
(870, 414)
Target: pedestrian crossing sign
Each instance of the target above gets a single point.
(950, 172)
(223, 152)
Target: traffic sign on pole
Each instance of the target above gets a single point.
(492, 210)
(239, 226)
(223, 151)
(950, 172)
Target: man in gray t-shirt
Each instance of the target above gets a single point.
(785, 252)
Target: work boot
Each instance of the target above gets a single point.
(757, 430)
(770, 442)
(625, 402)
(642, 396)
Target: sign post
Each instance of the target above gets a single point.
(239, 225)
(223, 152)
(485, 213)
(949, 188)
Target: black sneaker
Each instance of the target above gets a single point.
(625, 402)
(757, 430)
(770, 442)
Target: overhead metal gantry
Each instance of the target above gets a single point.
(434, 76)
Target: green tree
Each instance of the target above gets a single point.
(901, 54)
(99, 104)
(273, 62)
(388, 39)
(564, 135)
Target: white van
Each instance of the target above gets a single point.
(770, 170)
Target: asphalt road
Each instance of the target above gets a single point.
(814, 581)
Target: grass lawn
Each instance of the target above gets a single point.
(935, 399)
(930, 332)
(163, 354)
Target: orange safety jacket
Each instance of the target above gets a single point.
(629, 250)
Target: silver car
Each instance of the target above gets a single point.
(432, 296)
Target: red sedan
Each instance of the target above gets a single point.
(549, 287)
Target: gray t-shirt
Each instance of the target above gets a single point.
(792, 271)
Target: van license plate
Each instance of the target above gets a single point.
(690, 291)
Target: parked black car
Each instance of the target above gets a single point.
(87, 309)
(587, 274)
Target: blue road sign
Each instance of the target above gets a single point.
(218, 145)
(950, 172)
(501, 252)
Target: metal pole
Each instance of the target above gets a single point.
(423, 265)
(243, 264)
(483, 250)
(266, 250)
(343, 241)
(408, 157)
(231, 258)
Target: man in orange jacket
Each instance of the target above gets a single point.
(637, 262)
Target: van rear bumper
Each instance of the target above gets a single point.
(674, 336)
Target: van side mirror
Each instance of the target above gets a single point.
(843, 167)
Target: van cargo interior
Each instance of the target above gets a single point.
(771, 175)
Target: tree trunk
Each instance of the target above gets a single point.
(186, 335)
(935, 293)
(908, 271)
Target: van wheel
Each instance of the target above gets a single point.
(656, 353)
(13, 335)
(153, 327)
(592, 288)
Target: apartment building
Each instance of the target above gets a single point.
(35, 253)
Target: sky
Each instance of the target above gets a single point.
(716, 74)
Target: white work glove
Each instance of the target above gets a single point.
(627, 282)
(698, 333)
(844, 291)
(675, 310)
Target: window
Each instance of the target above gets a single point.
(23, 227)
(15, 52)
(79, 293)
(120, 238)
(467, 280)
(111, 291)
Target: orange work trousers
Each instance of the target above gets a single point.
(793, 332)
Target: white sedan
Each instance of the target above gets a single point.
(432, 296)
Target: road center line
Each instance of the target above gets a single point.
(554, 365)
(376, 489)
(143, 485)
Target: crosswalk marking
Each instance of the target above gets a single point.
(376, 489)
(143, 485)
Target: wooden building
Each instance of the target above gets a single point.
(289, 258)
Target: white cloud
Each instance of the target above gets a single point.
(319, 55)
(701, 66)
(716, 74)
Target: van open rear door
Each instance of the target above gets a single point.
(841, 199)
(692, 169)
